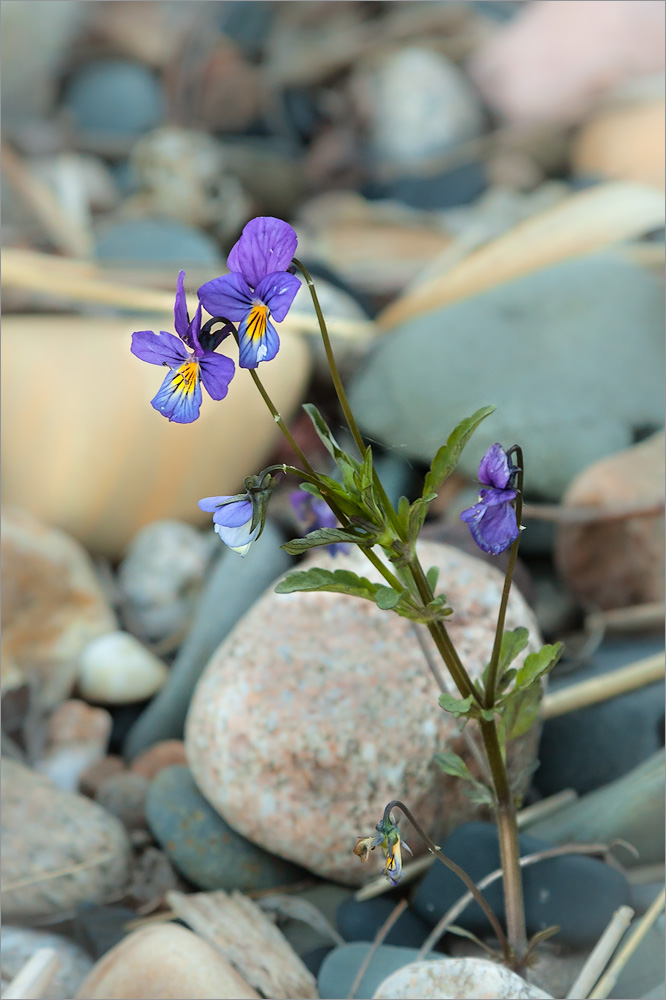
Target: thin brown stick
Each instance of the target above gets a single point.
(590, 514)
(599, 956)
(598, 689)
(378, 940)
(529, 859)
(531, 814)
(635, 618)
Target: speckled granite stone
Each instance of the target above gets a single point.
(318, 709)
(46, 830)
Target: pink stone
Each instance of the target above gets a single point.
(318, 709)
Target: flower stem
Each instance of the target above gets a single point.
(281, 424)
(342, 395)
(491, 680)
(457, 870)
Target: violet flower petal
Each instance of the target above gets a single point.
(266, 245)
(181, 321)
(278, 291)
(234, 514)
(238, 539)
(257, 338)
(179, 396)
(494, 469)
(210, 504)
(216, 371)
(158, 348)
(493, 527)
(228, 296)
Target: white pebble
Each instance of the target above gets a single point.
(116, 669)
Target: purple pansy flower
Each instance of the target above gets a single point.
(313, 514)
(232, 517)
(492, 520)
(258, 291)
(179, 397)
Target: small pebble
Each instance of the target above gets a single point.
(115, 96)
(124, 796)
(117, 669)
(166, 753)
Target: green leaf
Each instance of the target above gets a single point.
(432, 577)
(324, 536)
(513, 643)
(367, 470)
(449, 454)
(456, 706)
(341, 581)
(452, 764)
(520, 712)
(479, 794)
(324, 432)
(417, 515)
(387, 598)
(538, 664)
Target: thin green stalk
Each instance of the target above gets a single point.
(342, 396)
(491, 679)
(457, 870)
(507, 830)
(311, 476)
(281, 424)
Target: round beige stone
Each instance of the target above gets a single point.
(318, 709)
(457, 979)
(164, 963)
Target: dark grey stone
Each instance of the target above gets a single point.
(571, 355)
(204, 848)
(458, 186)
(589, 748)
(115, 96)
(98, 929)
(360, 921)
(577, 893)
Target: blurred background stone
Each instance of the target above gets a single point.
(617, 558)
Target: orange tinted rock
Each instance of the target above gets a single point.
(625, 144)
(615, 562)
(93, 776)
(164, 963)
(167, 753)
(52, 603)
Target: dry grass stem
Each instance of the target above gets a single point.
(601, 953)
(598, 689)
(610, 977)
(35, 977)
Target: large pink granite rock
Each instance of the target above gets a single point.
(318, 709)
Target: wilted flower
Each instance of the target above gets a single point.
(258, 290)
(240, 519)
(389, 839)
(492, 520)
(179, 397)
(313, 514)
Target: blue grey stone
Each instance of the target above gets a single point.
(232, 588)
(199, 843)
(161, 241)
(553, 889)
(581, 750)
(571, 355)
(339, 969)
(360, 921)
(115, 96)
(631, 809)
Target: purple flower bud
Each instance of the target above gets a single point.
(492, 521)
